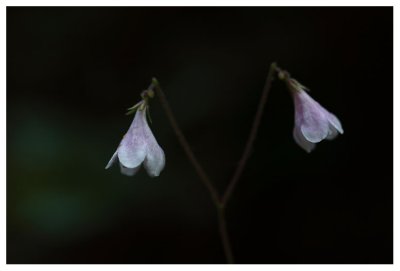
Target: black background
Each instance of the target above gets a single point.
(72, 72)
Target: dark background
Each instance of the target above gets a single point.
(72, 72)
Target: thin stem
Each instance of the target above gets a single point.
(252, 136)
(224, 235)
(185, 145)
(219, 203)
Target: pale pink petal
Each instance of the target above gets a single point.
(133, 148)
(112, 160)
(302, 142)
(309, 117)
(313, 123)
(129, 171)
(137, 146)
(333, 132)
(155, 159)
(335, 127)
(335, 122)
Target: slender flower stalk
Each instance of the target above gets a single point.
(220, 203)
(184, 143)
(252, 136)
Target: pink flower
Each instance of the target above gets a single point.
(139, 146)
(313, 123)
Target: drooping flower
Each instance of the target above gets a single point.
(139, 146)
(313, 123)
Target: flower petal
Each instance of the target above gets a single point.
(155, 158)
(301, 141)
(112, 160)
(128, 171)
(335, 122)
(310, 117)
(133, 147)
(315, 132)
(333, 132)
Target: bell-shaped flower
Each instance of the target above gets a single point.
(313, 123)
(139, 146)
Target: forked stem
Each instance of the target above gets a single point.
(220, 203)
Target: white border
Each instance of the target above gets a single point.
(209, 267)
(396, 126)
(200, 3)
(3, 138)
(5, 267)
